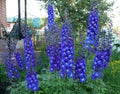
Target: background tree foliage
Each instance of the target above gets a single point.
(78, 11)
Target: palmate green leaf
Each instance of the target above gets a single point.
(9, 88)
(40, 92)
(23, 83)
(69, 92)
(89, 85)
(83, 91)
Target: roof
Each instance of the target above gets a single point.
(12, 20)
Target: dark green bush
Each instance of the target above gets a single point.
(51, 83)
(4, 80)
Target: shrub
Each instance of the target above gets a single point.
(52, 84)
(4, 80)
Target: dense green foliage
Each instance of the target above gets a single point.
(112, 74)
(51, 83)
(4, 80)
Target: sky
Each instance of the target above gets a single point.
(116, 14)
(35, 10)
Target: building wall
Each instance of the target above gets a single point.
(3, 17)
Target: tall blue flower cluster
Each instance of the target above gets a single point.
(54, 48)
(53, 40)
(32, 81)
(80, 66)
(80, 69)
(100, 61)
(12, 68)
(29, 53)
(102, 57)
(50, 15)
(19, 60)
(67, 51)
(92, 29)
(10, 63)
(107, 45)
(98, 65)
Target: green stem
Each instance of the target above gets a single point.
(66, 85)
(55, 75)
(78, 84)
(55, 79)
(35, 92)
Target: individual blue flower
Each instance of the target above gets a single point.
(96, 75)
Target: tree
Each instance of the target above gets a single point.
(78, 11)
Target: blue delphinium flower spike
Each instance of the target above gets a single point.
(102, 56)
(67, 50)
(53, 47)
(10, 63)
(80, 66)
(50, 15)
(92, 29)
(12, 69)
(32, 81)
